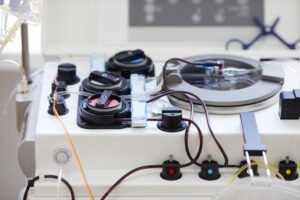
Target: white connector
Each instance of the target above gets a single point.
(24, 85)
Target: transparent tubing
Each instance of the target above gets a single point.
(261, 189)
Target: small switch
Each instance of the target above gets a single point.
(288, 169)
(171, 120)
(171, 170)
(210, 170)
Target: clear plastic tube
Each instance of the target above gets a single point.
(59, 183)
(148, 94)
(86, 94)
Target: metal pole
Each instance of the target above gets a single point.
(25, 50)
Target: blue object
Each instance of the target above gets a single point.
(137, 60)
(203, 67)
(210, 171)
(1, 2)
(264, 31)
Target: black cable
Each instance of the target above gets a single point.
(31, 183)
(193, 160)
(190, 121)
(126, 175)
(170, 92)
(206, 63)
(118, 182)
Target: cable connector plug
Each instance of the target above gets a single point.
(24, 85)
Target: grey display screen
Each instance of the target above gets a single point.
(157, 13)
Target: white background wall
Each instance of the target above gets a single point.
(13, 49)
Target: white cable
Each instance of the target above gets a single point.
(74, 92)
(266, 164)
(250, 171)
(24, 81)
(58, 184)
(24, 87)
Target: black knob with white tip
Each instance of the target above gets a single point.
(171, 120)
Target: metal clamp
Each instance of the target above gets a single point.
(252, 143)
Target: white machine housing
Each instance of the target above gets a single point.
(72, 28)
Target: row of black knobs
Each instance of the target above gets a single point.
(210, 170)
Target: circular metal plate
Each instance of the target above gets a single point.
(232, 94)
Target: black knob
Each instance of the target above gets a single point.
(210, 170)
(288, 169)
(131, 62)
(171, 170)
(60, 106)
(171, 120)
(98, 81)
(67, 72)
(104, 111)
(245, 173)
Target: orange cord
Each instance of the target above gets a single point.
(71, 143)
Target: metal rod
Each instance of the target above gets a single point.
(250, 171)
(266, 164)
(25, 50)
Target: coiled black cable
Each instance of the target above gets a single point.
(32, 181)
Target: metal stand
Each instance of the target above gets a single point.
(25, 50)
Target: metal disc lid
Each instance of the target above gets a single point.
(242, 85)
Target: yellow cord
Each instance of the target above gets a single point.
(258, 164)
(270, 164)
(274, 165)
(71, 143)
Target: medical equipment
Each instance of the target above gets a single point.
(89, 122)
